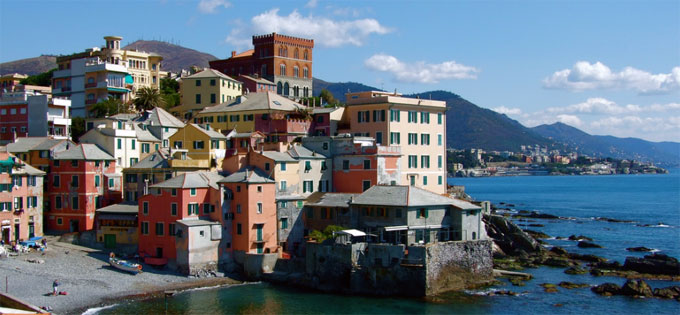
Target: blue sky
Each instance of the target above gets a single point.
(606, 67)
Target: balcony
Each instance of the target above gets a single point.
(61, 73)
(104, 66)
(90, 85)
(59, 120)
(90, 102)
(190, 163)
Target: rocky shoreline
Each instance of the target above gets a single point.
(517, 249)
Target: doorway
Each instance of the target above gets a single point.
(74, 226)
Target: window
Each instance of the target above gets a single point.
(192, 208)
(55, 181)
(199, 144)
(74, 203)
(18, 203)
(57, 202)
(145, 148)
(323, 166)
(171, 229)
(424, 180)
(283, 185)
(111, 183)
(422, 213)
(96, 180)
(74, 163)
(283, 204)
(238, 229)
(213, 98)
(213, 82)
(160, 229)
(259, 188)
(282, 69)
(145, 208)
(310, 213)
(305, 72)
(424, 118)
(394, 115)
(378, 137)
(439, 139)
(192, 192)
(74, 181)
(308, 166)
(198, 82)
(177, 144)
(395, 138)
(284, 223)
(412, 138)
(206, 208)
(145, 228)
(119, 143)
(259, 207)
(283, 166)
(296, 72)
(133, 144)
(266, 166)
(424, 139)
(367, 164)
(198, 98)
(425, 161)
(439, 118)
(173, 209)
(397, 213)
(133, 161)
(308, 186)
(439, 180)
(345, 164)
(412, 161)
(366, 185)
(413, 117)
(238, 208)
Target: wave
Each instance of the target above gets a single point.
(95, 310)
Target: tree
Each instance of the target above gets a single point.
(147, 98)
(43, 79)
(77, 128)
(327, 233)
(170, 92)
(328, 97)
(108, 107)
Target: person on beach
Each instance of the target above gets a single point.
(44, 243)
(55, 287)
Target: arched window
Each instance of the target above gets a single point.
(305, 92)
(286, 88)
(306, 55)
(279, 88)
(263, 71)
(296, 91)
(305, 73)
(296, 55)
(282, 69)
(296, 72)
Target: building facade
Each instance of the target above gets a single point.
(28, 113)
(284, 60)
(204, 89)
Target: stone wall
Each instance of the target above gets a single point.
(455, 265)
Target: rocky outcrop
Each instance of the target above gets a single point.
(639, 249)
(653, 264)
(586, 244)
(607, 289)
(509, 237)
(580, 238)
(636, 288)
(668, 292)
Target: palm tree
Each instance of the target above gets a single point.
(147, 98)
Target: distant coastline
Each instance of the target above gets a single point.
(535, 170)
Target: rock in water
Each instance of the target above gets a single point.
(575, 271)
(559, 250)
(579, 238)
(607, 289)
(585, 244)
(653, 264)
(668, 292)
(571, 285)
(636, 288)
(639, 249)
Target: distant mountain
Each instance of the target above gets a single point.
(30, 66)
(339, 89)
(175, 57)
(667, 153)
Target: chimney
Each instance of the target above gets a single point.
(233, 53)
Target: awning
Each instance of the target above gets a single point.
(351, 232)
(396, 228)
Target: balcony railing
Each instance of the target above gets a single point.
(90, 85)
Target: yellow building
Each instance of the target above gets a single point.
(195, 145)
(204, 89)
(117, 224)
(277, 117)
(9, 81)
(418, 126)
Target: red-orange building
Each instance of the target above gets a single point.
(79, 182)
(190, 196)
(21, 199)
(284, 60)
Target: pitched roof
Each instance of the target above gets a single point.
(325, 199)
(258, 80)
(299, 151)
(249, 174)
(194, 222)
(255, 101)
(25, 144)
(50, 143)
(120, 208)
(144, 135)
(278, 156)
(84, 151)
(403, 196)
(209, 73)
(323, 110)
(158, 159)
(198, 179)
(123, 117)
(210, 132)
(27, 169)
(160, 117)
(246, 53)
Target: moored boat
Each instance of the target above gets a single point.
(124, 265)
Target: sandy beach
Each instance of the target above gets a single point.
(84, 273)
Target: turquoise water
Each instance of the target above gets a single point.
(645, 199)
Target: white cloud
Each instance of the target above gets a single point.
(420, 71)
(586, 76)
(570, 120)
(596, 105)
(507, 111)
(324, 31)
(311, 4)
(211, 6)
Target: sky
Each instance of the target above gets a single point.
(605, 67)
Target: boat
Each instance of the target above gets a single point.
(124, 265)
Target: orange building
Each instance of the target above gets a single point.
(38, 151)
(21, 199)
(252, 210)
(284, 60)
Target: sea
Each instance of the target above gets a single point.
(651, 202)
